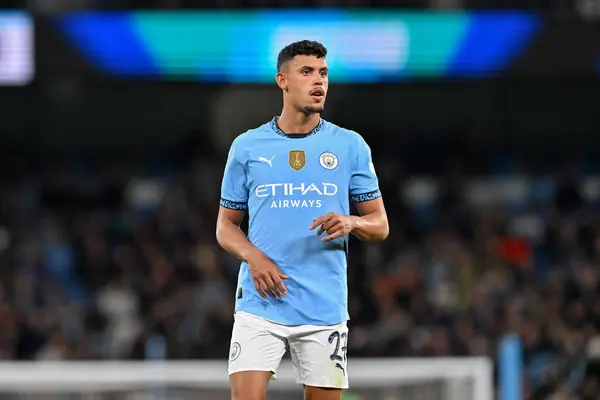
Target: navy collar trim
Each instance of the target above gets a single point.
(280, 132)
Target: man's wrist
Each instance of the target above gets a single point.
(252, 254)
(354, 222)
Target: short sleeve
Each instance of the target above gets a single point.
(234, 192)
(364, 185)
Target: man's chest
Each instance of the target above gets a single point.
(292, 168)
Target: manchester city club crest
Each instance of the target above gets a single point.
(328, 160)
(235, 351)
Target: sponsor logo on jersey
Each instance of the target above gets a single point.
(290, 195)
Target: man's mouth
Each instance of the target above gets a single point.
(317, 93)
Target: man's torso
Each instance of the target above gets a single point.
(290, 182)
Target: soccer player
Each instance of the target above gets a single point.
(295, 176)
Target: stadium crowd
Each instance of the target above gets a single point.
(117, 260)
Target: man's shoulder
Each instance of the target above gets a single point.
(339, 132)
(254, 133)
(244, 142)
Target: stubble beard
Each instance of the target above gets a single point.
(313, 110)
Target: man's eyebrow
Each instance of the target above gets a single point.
(312, 68)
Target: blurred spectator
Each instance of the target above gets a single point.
(119, 304)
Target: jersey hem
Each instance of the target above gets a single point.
(277, 321)
(234, 205)
(362, 197)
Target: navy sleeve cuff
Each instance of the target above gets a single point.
(359, 198)
(234, 205)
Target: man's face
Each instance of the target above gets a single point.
(305, 80)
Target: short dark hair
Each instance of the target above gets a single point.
(301, 48)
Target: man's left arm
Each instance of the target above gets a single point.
(371, 224)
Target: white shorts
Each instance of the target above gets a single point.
(318, 352)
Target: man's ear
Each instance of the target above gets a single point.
(281, 81)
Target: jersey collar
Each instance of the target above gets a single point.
(278, 130)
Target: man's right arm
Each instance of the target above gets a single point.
(266, 276)
(234, 203)
(230, 236)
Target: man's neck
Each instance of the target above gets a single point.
(297, 122)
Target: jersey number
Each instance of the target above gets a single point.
(337, 337)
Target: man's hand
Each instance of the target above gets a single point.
(266, 276)
(335, 225)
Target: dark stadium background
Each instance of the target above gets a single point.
(109, 189)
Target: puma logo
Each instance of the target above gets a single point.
(268, 161)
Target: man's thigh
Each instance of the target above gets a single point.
(319, 356)
(249, 385)
(317, 393)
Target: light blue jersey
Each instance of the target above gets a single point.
(286, 181)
